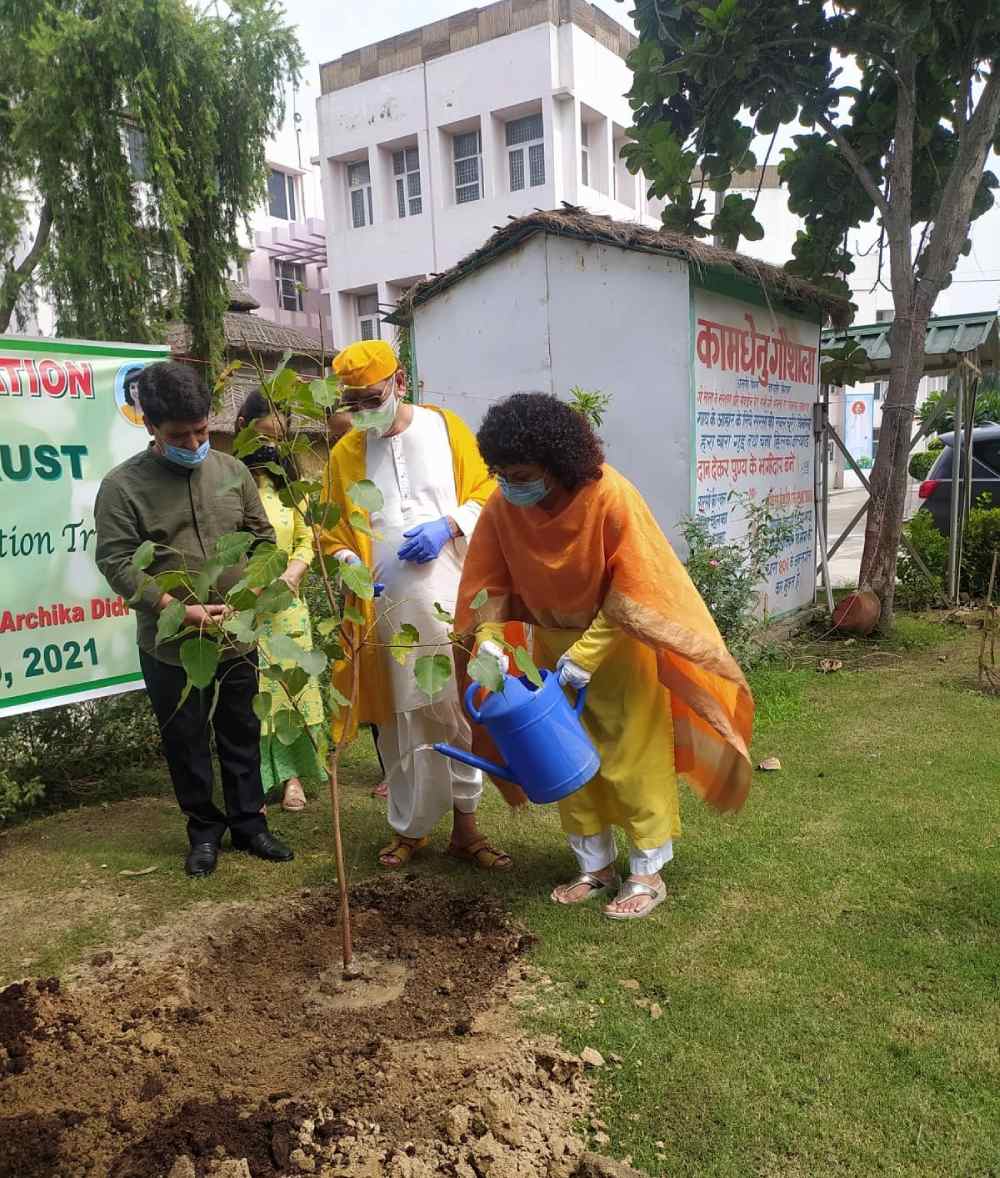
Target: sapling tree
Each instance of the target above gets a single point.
(339, 635)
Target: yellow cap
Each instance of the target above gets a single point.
(365, 363)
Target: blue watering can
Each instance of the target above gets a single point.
(544, 746)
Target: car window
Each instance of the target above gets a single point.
(942, 467)
(987, 453)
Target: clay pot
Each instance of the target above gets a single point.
(858, 613)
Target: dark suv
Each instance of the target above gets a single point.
(935, 490)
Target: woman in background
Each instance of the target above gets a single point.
(283, 767)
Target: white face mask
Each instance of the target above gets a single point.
(380, 421)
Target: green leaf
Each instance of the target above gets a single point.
(266, 565)
(432, 672)
(366, 495)
(403, 642)
(328, 626)
(295, 681)
(325, 393)
(442, 614)
(143, 556)
(233, 546)
(324, 516)
(358, 579)
(353, 614)
(275, 598)
(283, 386)
(288, 726)
(242, 599)
(286, 650)
(172, 579)
(200, 659)
(210, 572)
(485, 670)
(360, 523)
(526, 665)
(170, 621)
(241, 626)
(245, 442)
(480, 599)
(262, 706)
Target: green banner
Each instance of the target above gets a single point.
(66, 419)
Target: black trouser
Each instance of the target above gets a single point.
(187, 747)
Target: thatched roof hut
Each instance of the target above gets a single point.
(257, 343)
(791, 292)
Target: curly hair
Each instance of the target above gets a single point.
(170, 391)
(544, 431)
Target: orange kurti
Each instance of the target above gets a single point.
(604, 551)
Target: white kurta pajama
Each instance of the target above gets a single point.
(415, 473)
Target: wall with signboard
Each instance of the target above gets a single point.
(66, 418)
(755, 385)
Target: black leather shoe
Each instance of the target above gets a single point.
(266, 846)
(201, 859)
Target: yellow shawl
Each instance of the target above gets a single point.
(347, 466)
(605, 551)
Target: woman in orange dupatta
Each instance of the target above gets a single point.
(571, 548)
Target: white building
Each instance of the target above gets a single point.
(430, 139)
(285, 267)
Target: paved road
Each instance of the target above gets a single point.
(846, 563)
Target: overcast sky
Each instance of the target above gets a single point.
(327, 31)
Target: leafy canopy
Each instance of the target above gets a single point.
(710, 78)
(140, 128)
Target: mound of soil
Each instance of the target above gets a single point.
(231, 1046)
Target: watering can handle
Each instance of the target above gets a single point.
(581, 699)
(470, 703)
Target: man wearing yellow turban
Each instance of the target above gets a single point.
(434, 484)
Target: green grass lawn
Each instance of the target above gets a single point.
(827, 966)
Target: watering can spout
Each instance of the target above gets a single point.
(467, 758)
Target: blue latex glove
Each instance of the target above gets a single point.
(353, 558)
(425, 541)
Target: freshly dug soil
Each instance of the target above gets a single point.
(234, 1036)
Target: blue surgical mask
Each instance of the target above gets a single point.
(524, 494)
(188, 458)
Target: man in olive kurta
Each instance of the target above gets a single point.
(182, 495)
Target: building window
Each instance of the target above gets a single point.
(368, 318)
(584, 154)
(468, 151)
(359, 181)
(289, 279)
(281, 195)
(526, 152)
(136, 148)
(406, 169)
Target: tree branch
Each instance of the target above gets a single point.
(951, 225)
(17, 276)
(865, 178)
(900, 176)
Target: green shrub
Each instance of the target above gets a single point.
(94, 750)
(914, 590)
(935, 445)
(727, 575)
(921, 463)
(980, 539)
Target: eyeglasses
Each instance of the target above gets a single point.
(373, 401)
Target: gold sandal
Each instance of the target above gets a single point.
(597, 887)
(484, 856)
(402, 850)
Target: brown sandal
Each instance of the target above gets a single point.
(482, 855)
(402, 850)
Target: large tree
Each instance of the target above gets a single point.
(898, 103)
(132, 141)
